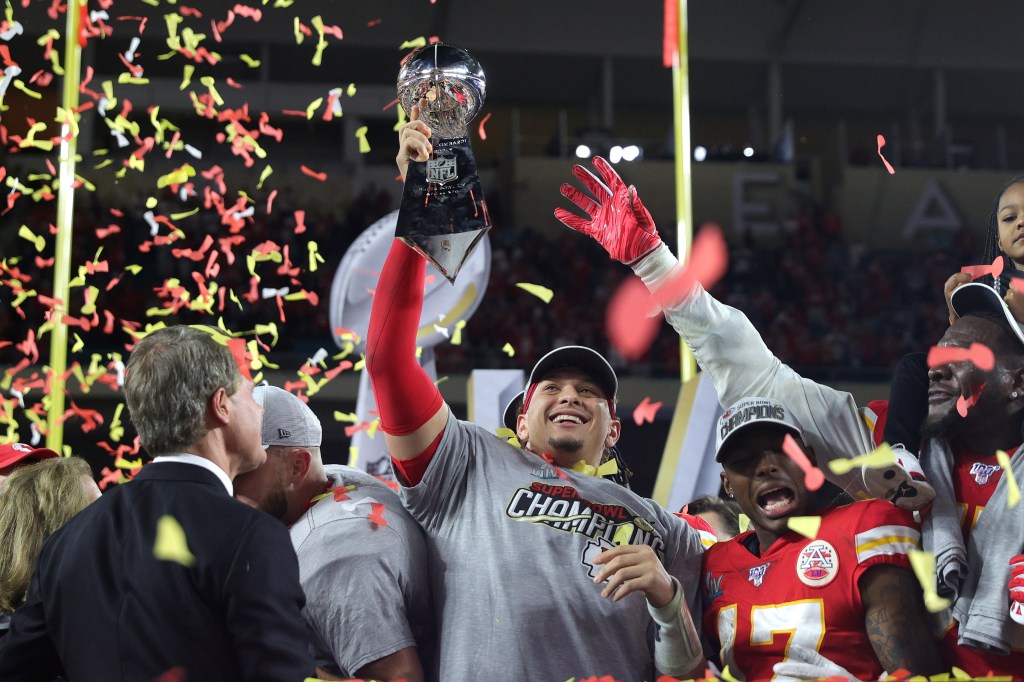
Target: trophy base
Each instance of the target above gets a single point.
(443, 213)
(447, 251)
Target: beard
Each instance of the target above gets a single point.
(275, 503)
(565, 444)
(941, 425)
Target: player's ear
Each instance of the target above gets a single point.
(725, 483)
(522, 431)
(614, 431)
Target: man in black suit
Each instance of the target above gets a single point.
(168, 576)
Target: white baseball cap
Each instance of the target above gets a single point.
(977, 297)
(748, 412)
(286, 419)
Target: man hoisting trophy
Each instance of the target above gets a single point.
(443, 213)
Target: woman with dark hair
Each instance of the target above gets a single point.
(35, 501)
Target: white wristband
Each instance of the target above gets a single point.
(654, 268)
(677, 648)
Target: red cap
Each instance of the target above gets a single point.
(12, 453)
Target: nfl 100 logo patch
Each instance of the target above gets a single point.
(983, 472)
(756, 575)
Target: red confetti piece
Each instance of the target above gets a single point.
(976, 271)
(300, 221)
(979, 354)
(480, 129)
(377, 514)
(372, 23)
(963, 404)
(177, 673)
(322, 177)
(630, 328)
(645, 411)
(813, 477)
(340, 493)
(237, 348)
(888, 166)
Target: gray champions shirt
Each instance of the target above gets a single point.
(511, 552)
(367, 587)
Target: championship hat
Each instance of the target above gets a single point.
(748, 412)
(12, 453)
(286, 419)
(976, 297)
(586, 360)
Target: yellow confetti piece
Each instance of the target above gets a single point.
(122, 463)
(184, 214)
(508, 435)
(313, 106)
(314, 256)
(125, 78)
(415, 42)
(178, 176)
(264, 175)
(299, 36)
(270, 328)
(351, 90)
(249, 61)
(209, 82)
(346, 417)
(623, 533)
(508, 350)
(457, 332)
(923, 564)
(744, 522)
(959, 674)
(321, 43)
(116, 427)
(38, 240)
(353, 455)
(805, 525)
(1012, 488)
(18, 83)
(727, 676)
(879, 458)
(543, 293)
(171, 544)
(364, 145)
(79, 343)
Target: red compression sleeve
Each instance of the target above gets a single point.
(414, 469)
(406, 396)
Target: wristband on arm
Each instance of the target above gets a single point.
(677, 648)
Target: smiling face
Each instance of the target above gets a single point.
(995, 416)
(1010, 219)
(766, 483)
(568, 418)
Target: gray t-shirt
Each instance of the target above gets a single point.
(511, 550)
(367, 588)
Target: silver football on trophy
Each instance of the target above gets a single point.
(448, 84)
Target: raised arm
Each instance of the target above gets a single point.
(726, 345)
(412, 412)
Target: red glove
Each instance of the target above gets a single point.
(1017, 578)
(618, 220)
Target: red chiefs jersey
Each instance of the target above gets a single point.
(975, 477)
(802, 591)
